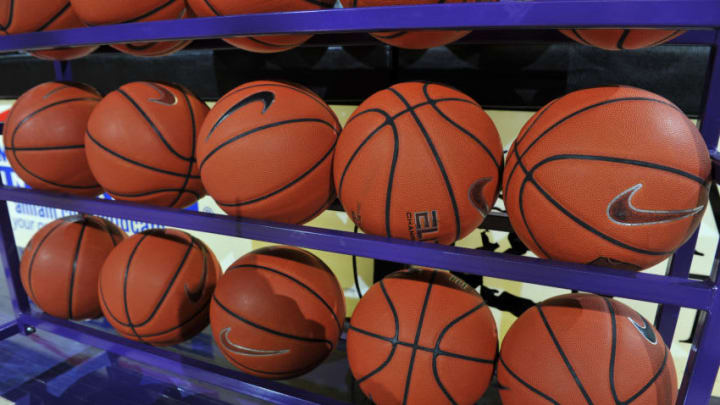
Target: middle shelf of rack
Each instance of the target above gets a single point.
(606, 281)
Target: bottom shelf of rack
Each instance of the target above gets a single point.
(641, 286)
(176, 363)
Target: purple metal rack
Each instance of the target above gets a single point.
(673, 291)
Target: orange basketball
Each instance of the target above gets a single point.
(264, 43)
(277, 312)
(60, 265)
(422, 337)
(94, 12)
(422, 39)
(418, 161)
(585, 349)
(265, 151)
(140, 144)
(156, 286)
(616, 40)
(17, 17)
(43, 137)
(621, 169)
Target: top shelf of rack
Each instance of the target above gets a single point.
(686, 14)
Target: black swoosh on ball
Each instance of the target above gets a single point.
(267, 98)
(646, 330)
(622, 211)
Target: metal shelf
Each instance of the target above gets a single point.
(687, 14)
(641, 286)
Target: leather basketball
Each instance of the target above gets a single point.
(140, 144)
(621, 169)
(265, 151)
(94, 12)
(621, 357)
(44, 136)
(422, 337)
(60, 265)
(17, 17)
(616, 40)
(418, 161)
(156, 286)
(263, 43)
(277, 312)
(422, 39)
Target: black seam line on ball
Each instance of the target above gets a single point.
(154, 127)
(613, 351)
(54, 18)
(438, 161)
(529, 177)
(580, 37)
(462, 129)
(262, 128)
(192, 161)
(672, 35)
(519, 139)
(147, 193)
(527, 385)
(389, 35)
(304, 92)
(170, 285)
(391, 180)
(412, 108)
(211, 7)
(270, 45)
(280, 374)
(419, 347)
(417, 338)
(143, 165)
(46, 107)
(201, 309)
(394, 341)
(139, 46)
(271, 331)
(32, 149)
(298, 282)
(125, 282)
(11, 14)
(437, 351)
(149, 13)
(322, 208)
(621, 41)
(521, 194)
(564, 357)
(74, 268)
(107, 226)
(32, 259)
(590, 107)
(327, 155)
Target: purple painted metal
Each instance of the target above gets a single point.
(648, 287)
(11, 263)
(9, 329)
(267, 390)
(511, 14)
(63, 71)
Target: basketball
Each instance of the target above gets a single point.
(140, 144)
(418, 161)
(43, 137)
(277, 312)
(265, 151)
(616, 39)
(622, 358)
(422, 39)
(156, 286)
(264, 43)
(94, 12)
(17, 17)
(422, 336)
(619, 168)
(60, 265)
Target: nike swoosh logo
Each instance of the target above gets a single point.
(166, 97)
(476, 195)
(266, 97)
(622, 211)
(246, 351)
(646, 330)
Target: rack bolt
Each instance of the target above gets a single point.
(29, 330)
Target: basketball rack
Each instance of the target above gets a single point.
(504, 20)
